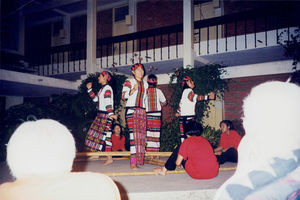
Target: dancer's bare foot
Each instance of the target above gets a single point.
(108, 161)
(134, 167)
(161, 171)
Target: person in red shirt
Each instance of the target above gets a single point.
(195, 154)
(229, 142)
(118, 139)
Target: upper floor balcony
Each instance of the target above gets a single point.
(237, 39)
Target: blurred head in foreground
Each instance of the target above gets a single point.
(40, 147)
(269, 153)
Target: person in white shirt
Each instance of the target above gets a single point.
(98, 137)
(155, 99)
(186, 111)
(134, 92)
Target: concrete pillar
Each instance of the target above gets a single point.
(12, 101)
(91, 36)
(188, 33)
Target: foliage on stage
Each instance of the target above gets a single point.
(170, 135)
(116, 83)
(212, 135)
(291, 45)
(206, 78)
(77, 112)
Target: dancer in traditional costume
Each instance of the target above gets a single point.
(98, 137)
(187, 106)
(155, 99)
(134, 91)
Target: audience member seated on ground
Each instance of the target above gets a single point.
(195, 154)
(118, 139)
(229, 142)
(40, 155)
(269, 153)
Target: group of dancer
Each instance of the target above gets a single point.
(144, 102)
(141, 97)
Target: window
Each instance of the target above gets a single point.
(120, 13)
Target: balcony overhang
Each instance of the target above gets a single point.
(228, 59)
(28, 85)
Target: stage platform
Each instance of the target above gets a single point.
(177, 186)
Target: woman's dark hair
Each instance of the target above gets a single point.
(113, 128)
(184, 82)
(228, 123)
(185, 86)
(152, 80)
(193, 128)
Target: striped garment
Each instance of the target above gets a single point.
(99, 134)
(137, 98)
(104, 98)
(154, 101)
(136, 122)
(153, 131)
(183, 120)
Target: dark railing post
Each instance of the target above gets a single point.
(255, 32)
(113, 53)
(245, 28)
(176, 44)
(79, 57)
(140, 46)
(217, 36)
(199, 37)
(207, 40)
(47, 69)
(266, 37)
(52, 58)
(84, 57)
(126, 52)
(57, 63)
(133, 51)
(235, 35)
(106, 55)
(101, 56)
(68, 60)
(288, 33)
(119, 53)
(161, 46)
(168, 45)
(146, 49)
(154, 47)
(63, 61)
(226, 30)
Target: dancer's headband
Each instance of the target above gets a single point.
(106, 75)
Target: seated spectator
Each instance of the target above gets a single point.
(40, 155)
(118, 139)
(269, 153)
(229, 142)
(195, 154)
